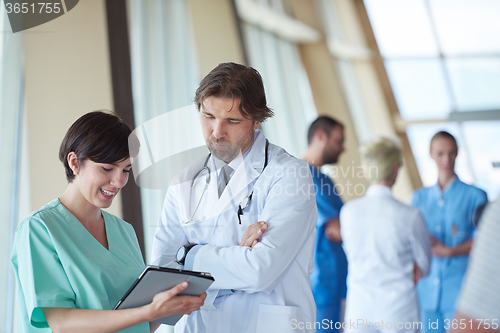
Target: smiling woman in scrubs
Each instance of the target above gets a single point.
(73, 261)
(448, 209)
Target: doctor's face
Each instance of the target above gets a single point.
(228, 134)
(444, 153)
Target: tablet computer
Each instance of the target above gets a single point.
(155, 279)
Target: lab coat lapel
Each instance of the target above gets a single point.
(251, 167)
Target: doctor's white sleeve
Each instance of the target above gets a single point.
(169, 234)
(290, 211)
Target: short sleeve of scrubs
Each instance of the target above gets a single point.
(41, 275)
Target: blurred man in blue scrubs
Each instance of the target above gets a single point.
(328, 280)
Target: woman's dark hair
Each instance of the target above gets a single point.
(100, 136)
(231, 80)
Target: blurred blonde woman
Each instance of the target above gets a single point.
(387, 247)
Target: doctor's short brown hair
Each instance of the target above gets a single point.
(231, 80)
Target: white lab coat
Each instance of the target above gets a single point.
(272, 291)
(383, 238)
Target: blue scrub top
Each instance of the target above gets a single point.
(449, 217)
(328, 280)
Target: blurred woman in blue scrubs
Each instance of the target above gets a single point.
(448, 209)
(73, 261)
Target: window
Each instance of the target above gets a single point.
(274, 53)
(164, 79)
(442, 58)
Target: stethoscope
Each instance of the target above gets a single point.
(243, 204)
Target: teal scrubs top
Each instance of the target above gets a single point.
(58, 263)
(449, 217)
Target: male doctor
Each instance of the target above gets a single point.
(246, 213)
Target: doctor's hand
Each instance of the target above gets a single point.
(253, 232)
(168, 303)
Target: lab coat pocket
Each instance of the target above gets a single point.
(279, 318)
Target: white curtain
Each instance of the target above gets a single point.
(164, 79)
(287, 87)
(346, 66)
(11, 92)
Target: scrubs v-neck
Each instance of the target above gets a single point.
(58, 263)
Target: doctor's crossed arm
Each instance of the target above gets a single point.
(254, 231)
(290, 214)
(291, 222)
